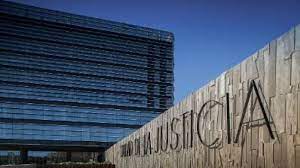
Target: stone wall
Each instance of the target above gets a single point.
(200, 131)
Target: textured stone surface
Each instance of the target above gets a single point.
(276, 70)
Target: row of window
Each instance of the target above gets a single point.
(151, 52)
(84, 53)
(5, 42)
(83, 21)
(48, 63)
(49, 94)
(76, 114)
(30, 153)
(35, 77)
(61, 132)
(103, 57)
(72, 37)
(97, 53)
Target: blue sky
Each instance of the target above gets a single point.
(210, 36)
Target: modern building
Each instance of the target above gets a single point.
(76, 83)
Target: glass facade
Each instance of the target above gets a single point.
(69, 79)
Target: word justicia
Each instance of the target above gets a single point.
(180, 132)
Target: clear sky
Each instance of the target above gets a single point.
(210, 36)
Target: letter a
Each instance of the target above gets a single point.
(253, 86)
